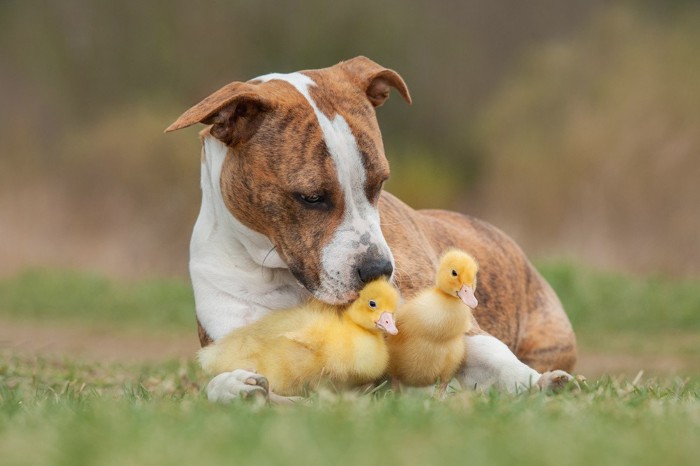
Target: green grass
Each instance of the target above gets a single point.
(640, 316)
(60, 295)
(594, 300)
(65, 413)
(614, 302)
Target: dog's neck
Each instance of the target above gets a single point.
(220, 223)
(236, 273)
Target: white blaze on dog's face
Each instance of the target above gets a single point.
(356, 252)
(305, 168)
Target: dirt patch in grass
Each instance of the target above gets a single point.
(102, 344)
(95, 343)
(595, 365)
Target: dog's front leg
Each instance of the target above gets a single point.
(242, 384)
(491, 364)
(236, 384)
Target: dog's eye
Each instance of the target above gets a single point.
(373, 304)
(313, 199)
(374, 195)
(454, 273)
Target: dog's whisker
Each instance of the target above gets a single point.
(262, 266)
(393, 223)
(398, 275)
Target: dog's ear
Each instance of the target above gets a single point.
(235, 112)
(375, 80)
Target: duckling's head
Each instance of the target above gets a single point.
(375, 307)
(456, 276)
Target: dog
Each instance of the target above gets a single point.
(293, 206)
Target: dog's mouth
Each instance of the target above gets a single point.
(326, 288)
(334, 291)
(335, 296)
(347, 298)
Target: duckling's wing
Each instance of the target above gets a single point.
(303, 339)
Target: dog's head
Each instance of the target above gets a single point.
(305, 167)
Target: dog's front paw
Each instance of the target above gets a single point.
(229, 386)
(556, 381)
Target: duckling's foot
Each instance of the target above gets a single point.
(440, 392)
(556, 381)
(229, 386)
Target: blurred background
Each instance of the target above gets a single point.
(572, 125)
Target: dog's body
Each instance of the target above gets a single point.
(292, 171)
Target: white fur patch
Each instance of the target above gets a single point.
(232, 288)
(490, 363)
(229, 386)
(360, 229)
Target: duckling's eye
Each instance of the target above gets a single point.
(372, 304)
(454, 273)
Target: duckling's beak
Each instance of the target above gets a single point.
(466, 294)
(386, 323)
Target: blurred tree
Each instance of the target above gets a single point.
(86, 87)
(593, 145)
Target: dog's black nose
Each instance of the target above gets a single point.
(375, 268)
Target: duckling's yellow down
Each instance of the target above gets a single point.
(430, 342)
(297, 349)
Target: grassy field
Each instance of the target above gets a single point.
(59, 408)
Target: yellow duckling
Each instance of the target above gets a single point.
(430, 342)
(296, 349)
